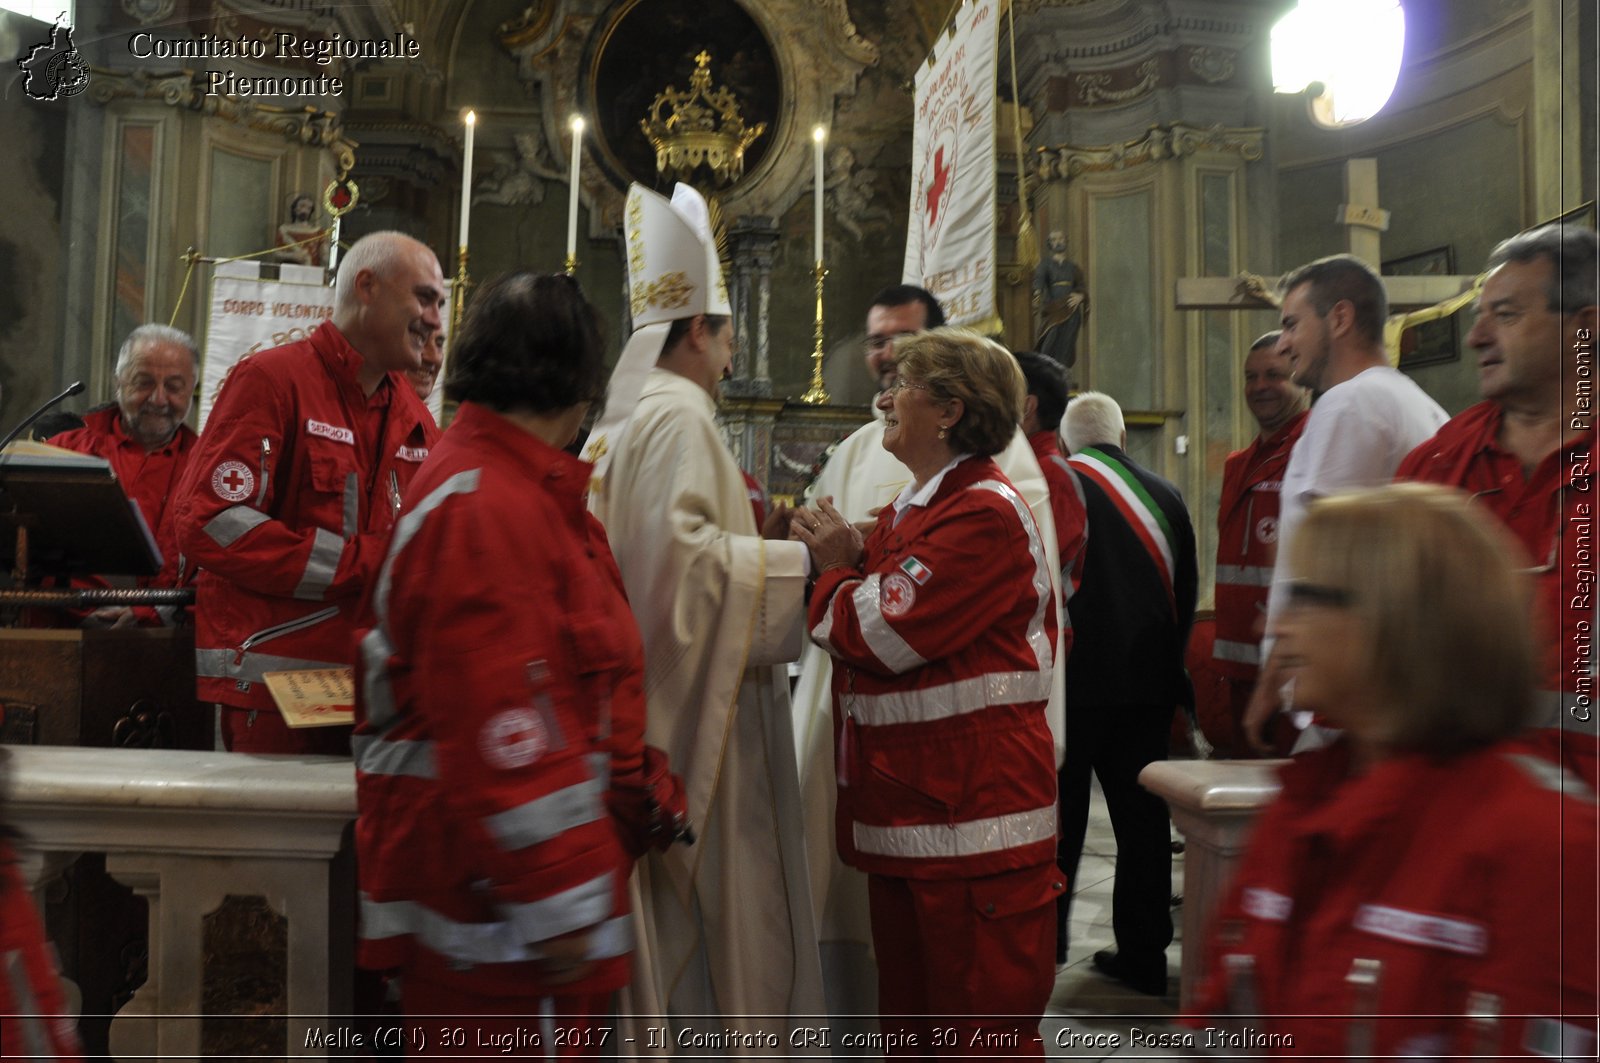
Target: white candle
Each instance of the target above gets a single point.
(466, 178)
(572, 195)
(817, 137)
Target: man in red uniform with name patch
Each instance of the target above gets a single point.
(1527, 453)
(1247, 545)
(144, 438)
(289, 498)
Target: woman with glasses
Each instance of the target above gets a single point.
(502, 778)
(942, 626)
(1424, 887)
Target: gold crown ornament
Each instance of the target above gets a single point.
(699, 128)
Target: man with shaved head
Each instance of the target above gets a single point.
(289, 499)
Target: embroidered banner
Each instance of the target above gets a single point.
(250, 313)
(950, 241)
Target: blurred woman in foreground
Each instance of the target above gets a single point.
(942, 626)
(1423, 887)
(502, 777)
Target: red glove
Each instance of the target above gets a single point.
(649, 805)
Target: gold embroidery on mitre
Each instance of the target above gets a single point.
(635, 236)
(669, 292)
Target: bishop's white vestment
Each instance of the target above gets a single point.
(725, 926)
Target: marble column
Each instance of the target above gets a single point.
(754, 240)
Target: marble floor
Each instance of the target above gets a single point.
(1090, 1016)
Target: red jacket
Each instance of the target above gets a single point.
(34, 1021)
(149, 479)
(286, 509)
(501, 689)
(1552, 513)
(1072, 522)
(943, 645)
(1247, 547)
(1461, 875)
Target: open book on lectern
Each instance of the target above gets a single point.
(77, 518)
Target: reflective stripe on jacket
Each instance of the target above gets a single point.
(943, 646)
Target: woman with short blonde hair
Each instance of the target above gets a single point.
(959, 365)
(1429, 581)
(1424, 886)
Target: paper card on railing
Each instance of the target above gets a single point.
(319, 697)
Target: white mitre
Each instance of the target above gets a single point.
(673, 272)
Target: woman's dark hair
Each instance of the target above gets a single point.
(530, 341)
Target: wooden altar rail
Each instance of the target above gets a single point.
(184, 830)
(1214, 803)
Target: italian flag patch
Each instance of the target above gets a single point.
(916, 570)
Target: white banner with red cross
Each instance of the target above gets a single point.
(950, 242)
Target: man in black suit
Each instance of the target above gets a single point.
(1130, 621)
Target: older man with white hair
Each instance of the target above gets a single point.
(1130, 621)
(144, 438)
(291, 495)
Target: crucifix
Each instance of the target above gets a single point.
(1364, 223)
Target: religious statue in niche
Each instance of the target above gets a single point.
(1062, 302)
(304, 241)
(518, 178)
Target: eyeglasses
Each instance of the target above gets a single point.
(902, 384)
(876, 343)
(1306, 593)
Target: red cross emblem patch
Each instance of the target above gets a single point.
(896, 594)
(513, 739)
(233, 481)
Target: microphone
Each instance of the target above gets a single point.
(72, 389)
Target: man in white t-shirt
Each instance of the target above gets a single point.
(1367, 416)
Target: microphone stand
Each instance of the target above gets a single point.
(72, 389)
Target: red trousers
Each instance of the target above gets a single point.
(443, 1022)
(965, 966)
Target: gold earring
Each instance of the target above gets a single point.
(941, 431)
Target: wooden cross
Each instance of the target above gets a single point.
(1364, 223)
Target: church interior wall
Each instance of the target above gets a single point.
(1464, 159)
(1456, 152)
(33, 174)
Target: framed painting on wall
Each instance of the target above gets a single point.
(1434, 342)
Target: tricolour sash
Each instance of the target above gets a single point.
(1128, 494)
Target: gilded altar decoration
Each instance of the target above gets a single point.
(699, 128)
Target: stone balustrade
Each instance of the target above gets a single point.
(1214, 803)
(185, 830)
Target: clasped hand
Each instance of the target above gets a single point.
(832, 540)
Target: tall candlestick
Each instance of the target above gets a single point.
(466, 178)
(818, 135)
(572, 195)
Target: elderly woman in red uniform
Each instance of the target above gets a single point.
(1425, 887)
(942, 626)
(503, 782)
